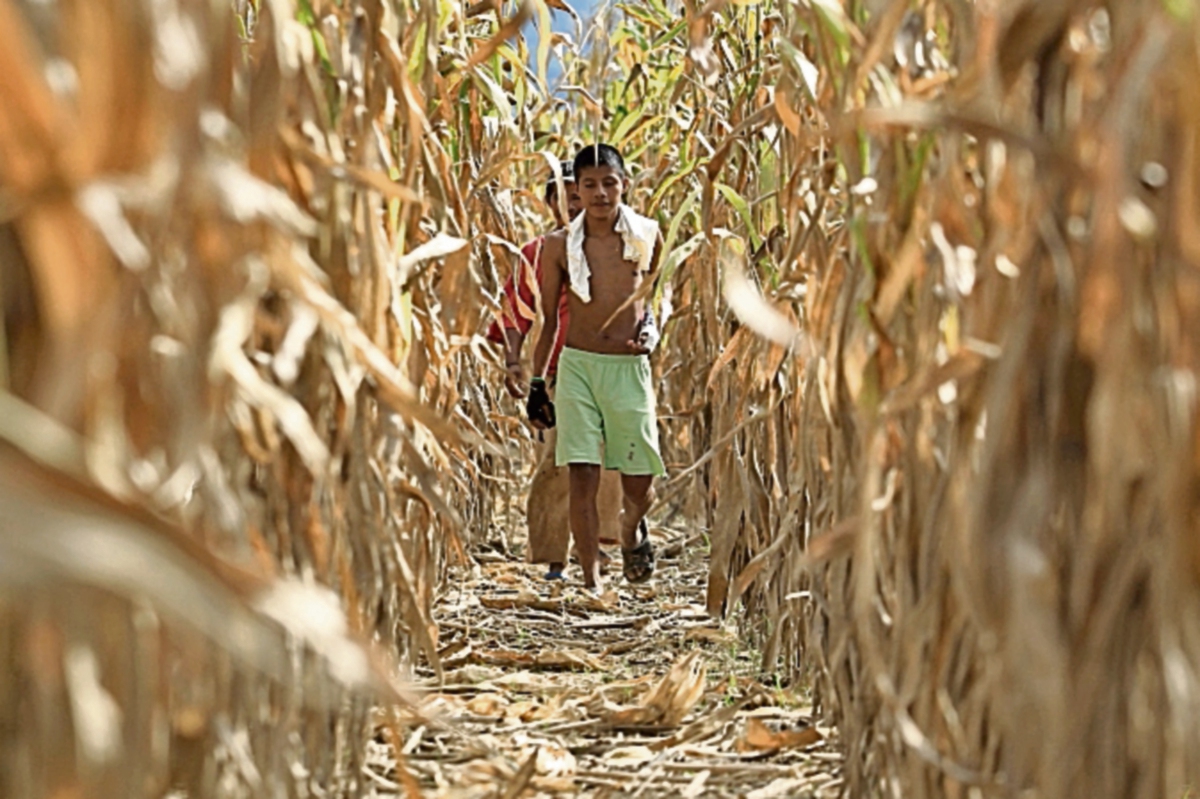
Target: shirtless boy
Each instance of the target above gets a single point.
(605, 400)
(546, 510)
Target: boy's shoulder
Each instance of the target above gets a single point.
(555, 243)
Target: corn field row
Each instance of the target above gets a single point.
(928, 393)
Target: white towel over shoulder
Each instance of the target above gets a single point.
(639, 233)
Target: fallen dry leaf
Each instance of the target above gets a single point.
(759, 736)
(527, 682)
(436, 705)
(516, 787)
(554, 761)
(779, 787)
(710, 634)
(487, 705)
(554, 784)
(671, 699)
(524, 600)
(471, 675)
(629, 756)
(565, 659)
(695, 788)
(527, 711)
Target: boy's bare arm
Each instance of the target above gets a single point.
(514, 339)
(514, 376)
(553, 263)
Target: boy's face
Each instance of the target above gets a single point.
(574, 203)
(600, 189)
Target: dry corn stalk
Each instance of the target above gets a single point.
(1000, 409)
(990, 408)
(218, 313)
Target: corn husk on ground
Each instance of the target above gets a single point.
(928, 391)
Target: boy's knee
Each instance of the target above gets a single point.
(639, 489)
(584, 476)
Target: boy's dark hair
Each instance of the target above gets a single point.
(568, 176)
(599, 155)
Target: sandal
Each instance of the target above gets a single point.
(638, 566)
(555, 572)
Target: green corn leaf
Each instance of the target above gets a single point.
(626, 126)
(498, 97)
(743, 209)
(544, 34)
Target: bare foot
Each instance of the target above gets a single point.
(594, 581)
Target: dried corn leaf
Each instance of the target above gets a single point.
(759, 736)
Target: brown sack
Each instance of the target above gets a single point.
(547, 511)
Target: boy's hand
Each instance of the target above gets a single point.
(538, 407)
(647, 336)
(514, 380)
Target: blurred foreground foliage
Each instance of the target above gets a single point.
(928, 392)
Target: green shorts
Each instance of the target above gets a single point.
(605, 406)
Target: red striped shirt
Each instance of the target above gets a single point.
(518, 305)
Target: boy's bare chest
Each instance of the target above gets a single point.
(613, 278)
(607, 248)
(606, 259)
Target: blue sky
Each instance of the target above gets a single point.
(559, 21)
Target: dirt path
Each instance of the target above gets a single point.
(549, 691)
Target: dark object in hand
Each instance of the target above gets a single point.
(647, 332)
(538, 407)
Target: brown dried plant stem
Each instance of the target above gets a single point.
(928, 389)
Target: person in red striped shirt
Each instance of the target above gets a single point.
(546, 510)
(523, 290)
